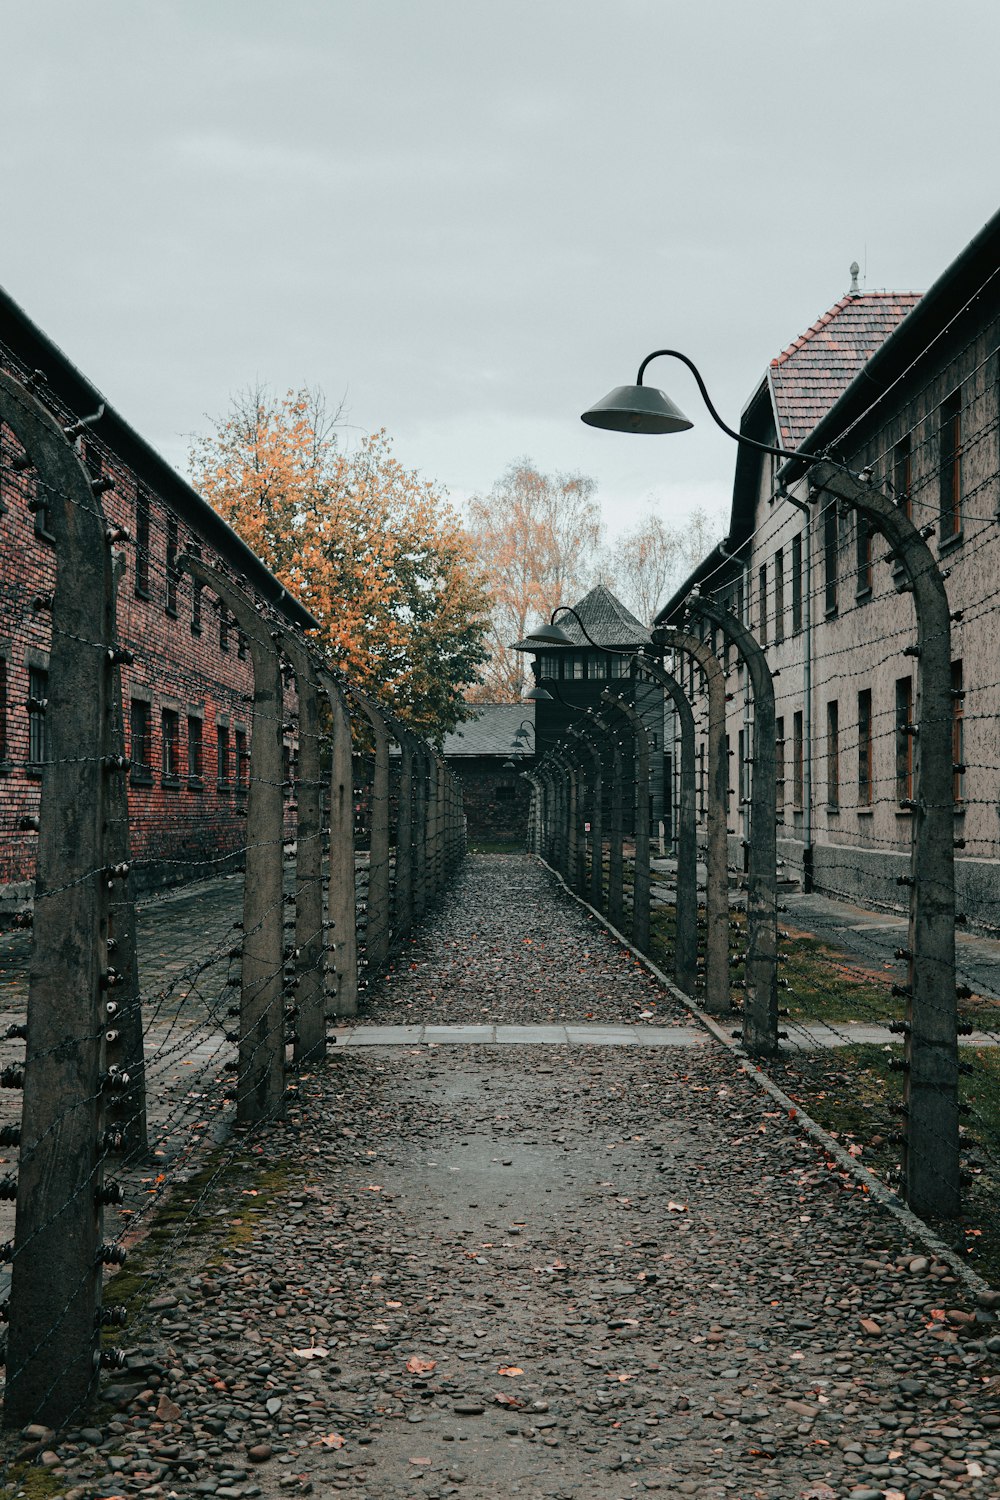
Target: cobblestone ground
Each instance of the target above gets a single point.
(556, 1272)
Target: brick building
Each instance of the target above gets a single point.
(909, 387)
(487, 753)
(185, 696)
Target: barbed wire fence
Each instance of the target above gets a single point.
(151, 1026)
(927, 760)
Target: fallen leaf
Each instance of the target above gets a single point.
(332, 1440)
(676, 1208)
(418, 1366)
(315, 1351)
(510, 1370)
(503, 1399)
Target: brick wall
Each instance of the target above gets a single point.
(189, 682)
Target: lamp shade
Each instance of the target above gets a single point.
(548, 635)
(537, 695)
(637, 408)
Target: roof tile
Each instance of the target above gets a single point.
(818, 366)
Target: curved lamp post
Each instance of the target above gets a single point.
(931, 1138)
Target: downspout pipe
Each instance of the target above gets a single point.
(807, 753)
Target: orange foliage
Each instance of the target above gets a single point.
(375, 553)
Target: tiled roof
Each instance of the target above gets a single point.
(607, 622)
(809, 376)
(491, 731)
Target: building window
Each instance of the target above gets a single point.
(196, 764)
(830, 557)
(223, 627)
(864, 537)
(194, 549)
(866, 780)
(779, 768)
(797, 583)
(172, 549)
(951, 466)
(762, 604)
(701, 781)
(242, 760)
(140, 740)
(779, 597)
(241, 645)
(833, 754)
(577, 664)
(38, 731)
(957, 732)
(798, 762)
(170, 736)
(222, 754)
(142, 544)
(904, 739)
(902, 475)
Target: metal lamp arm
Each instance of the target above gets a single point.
(738, 437)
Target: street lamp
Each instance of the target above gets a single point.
(931, 1142)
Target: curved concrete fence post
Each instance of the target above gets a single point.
(593, 735)
(341, 912)
(54, 1333)
(377, 924)
(583, 758)
(420, 799)
(760, 1011)
(616, 830)
(310, 997)
(686, 940)
(931, 1160)
(403, 896)
(641, 871)
(260, 1083)
(717, 998)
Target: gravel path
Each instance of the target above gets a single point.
(503, 948)
(566, 1272)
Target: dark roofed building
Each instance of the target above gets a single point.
(487, 753)
(576, 675)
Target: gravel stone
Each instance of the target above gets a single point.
(682, 1309)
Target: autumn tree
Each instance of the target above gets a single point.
(375, 553)
(537, 538)
(651, 560)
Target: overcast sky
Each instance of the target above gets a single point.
(471, 218)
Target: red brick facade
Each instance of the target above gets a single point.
(185, 697)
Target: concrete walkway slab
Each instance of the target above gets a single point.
(520, 1036)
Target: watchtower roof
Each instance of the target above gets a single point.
(606, 620)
